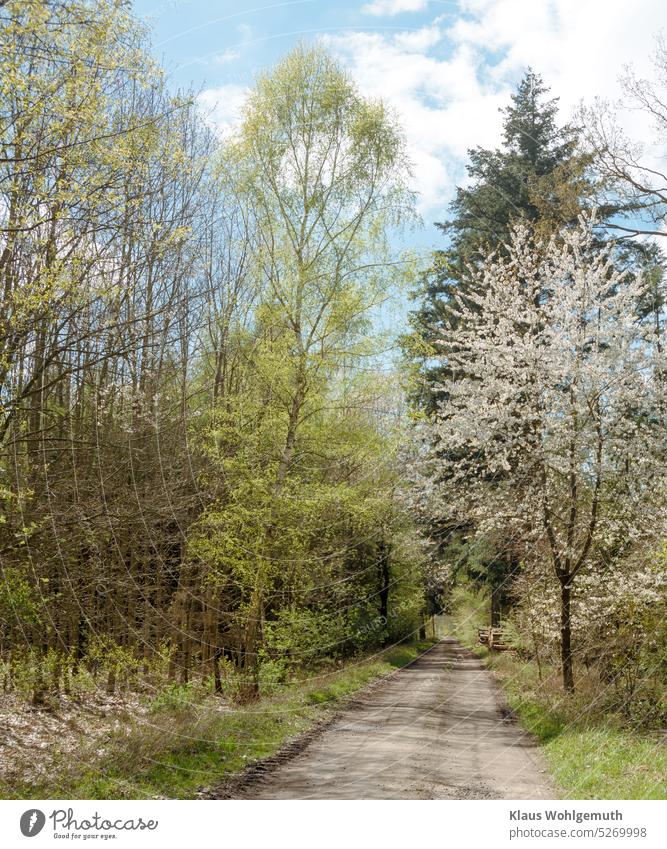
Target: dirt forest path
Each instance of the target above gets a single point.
(434, 730)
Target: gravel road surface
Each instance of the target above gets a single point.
(437, 729)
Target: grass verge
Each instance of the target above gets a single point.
(590, 755)
(183, 745)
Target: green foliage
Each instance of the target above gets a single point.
(175, 698)
(208, 303)
(304, 636)
(190, 742)
(300, 474)
(20, 604)
(123, 662)
(468, 609)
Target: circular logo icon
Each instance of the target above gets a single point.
(32, 822)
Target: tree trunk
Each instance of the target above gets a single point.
(496, 592)
(111, 681)
(217, 680)
(566, 634)
(384, 552)
(249, 689)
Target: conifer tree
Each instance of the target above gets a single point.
(538, 174)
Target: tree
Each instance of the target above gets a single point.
(539, 175)
(553, 431)
(634, 181)
(100, 187)
(189, 470)
(322, 173)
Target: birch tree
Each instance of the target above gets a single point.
(323, 174)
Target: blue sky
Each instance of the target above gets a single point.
(446, 67)
(227, 41)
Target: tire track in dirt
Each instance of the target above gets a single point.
(437, 729)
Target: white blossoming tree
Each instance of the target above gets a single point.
(552, 430)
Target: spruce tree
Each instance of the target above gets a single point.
(538, 174)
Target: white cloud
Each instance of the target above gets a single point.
(222, 106)
(442, 104)
(448, 80)
(227, 56)
(394, 7)
(580, 46)
(419, 40)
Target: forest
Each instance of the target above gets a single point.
(229, 475)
